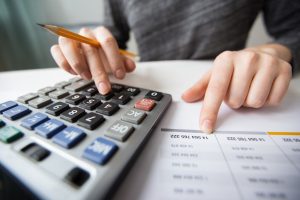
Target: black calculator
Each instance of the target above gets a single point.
(68, 141)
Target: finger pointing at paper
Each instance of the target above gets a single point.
(252, 78)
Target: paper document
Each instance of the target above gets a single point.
(239, 161)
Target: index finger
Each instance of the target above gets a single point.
(216, 91)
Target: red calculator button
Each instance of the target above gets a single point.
(145, 104)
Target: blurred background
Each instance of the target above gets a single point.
(24, 45)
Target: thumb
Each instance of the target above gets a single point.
(197, 91)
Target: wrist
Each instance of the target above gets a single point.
(276, 50)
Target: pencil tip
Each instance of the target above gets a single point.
(42, 25)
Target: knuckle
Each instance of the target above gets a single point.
(234, 103)
(250, 56)
(255, 103)
(225, 55)
(77, 66)
(286, 69)
(63, 63)
(100, 76)
(108, 41)
(89, 51)
(84, 31)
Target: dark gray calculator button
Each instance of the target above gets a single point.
(27, 97)
(117, 87)
(40, 102)
(72, 114)
(154, 95)
(90, 91)
(57, 108)
(108, 108)
(104, 97)
(77, 177)
(90, 103)
(35, 152)
(79, 85)
(121, 98)
(75, 79)
(58, 94)
(91, 121)
(62, 84)
(75, 99)
(119, 130)
(132, 91)
(134, 116)
(46, 90)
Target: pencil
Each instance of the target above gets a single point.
(74, 36)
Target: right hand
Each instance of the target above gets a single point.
(92, 62)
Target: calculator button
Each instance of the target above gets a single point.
(108, 108)
(7, 105)
(75, 99)
(132, 91)
(117, 87)
(79, 85)
(40, 102)
(62, 84)
(57, 108)
(104, 97)
(16, 112)
(77, 176)
(46, 90)
(34, 120)
(100, 151)
(49, 128)
(90, 103)
(154, 95)
(134, 116)
(72, 114)
(9, 134)
(2, 123)
(35, 152)
(75, 79)
(121, 98)
(119, 130)
(90, 91)
(145, 104)
(58, 94)
(69, 137)
(91, 121)
(27, 97)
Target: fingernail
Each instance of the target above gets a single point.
(85, 75)
(120, 73)
(103, 88)
(207, 126)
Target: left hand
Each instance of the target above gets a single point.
(250, 78)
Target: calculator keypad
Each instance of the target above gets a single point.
(73, 115)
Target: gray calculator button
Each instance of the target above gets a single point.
(40, 102)
(119, 130)
(75, 79)
(58, 94)
(133, 116)
(62, 84)
(27, 97)
(79, 85)
(46, 90)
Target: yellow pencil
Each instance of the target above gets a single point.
(74, 36)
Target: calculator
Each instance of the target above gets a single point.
(68, 141)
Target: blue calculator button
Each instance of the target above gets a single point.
(49, 128)
(7, 105)
(69, 137)
(34, 120)
(100, 151)
(16, 112)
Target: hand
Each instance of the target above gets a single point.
(250, 78)
(91, 62)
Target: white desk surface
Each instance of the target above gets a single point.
(168, 76)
